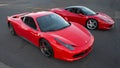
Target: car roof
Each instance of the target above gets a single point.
(39, 14)
(75, 7)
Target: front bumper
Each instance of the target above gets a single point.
(74, 55)
(105, 25)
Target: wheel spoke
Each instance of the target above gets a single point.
(44, 49)
(92, 24)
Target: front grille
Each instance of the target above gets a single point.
(82, 53)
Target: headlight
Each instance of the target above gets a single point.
(103, 19)
(70, 47)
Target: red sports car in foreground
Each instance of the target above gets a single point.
(85, 16)
(52, 34)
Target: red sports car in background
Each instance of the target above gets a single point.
(85, 16)
(52, 34)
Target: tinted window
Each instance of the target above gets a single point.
(73, 10)
(87, 11)
(78, 11)
(29, 21)
(52, 22)
(68, 9)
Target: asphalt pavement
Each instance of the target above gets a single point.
(18, 53)
(2, 65)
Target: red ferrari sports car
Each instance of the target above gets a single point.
(52, 34)
(85, 16)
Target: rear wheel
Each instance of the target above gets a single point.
(91, 24)
(46, 48)
(11, 29)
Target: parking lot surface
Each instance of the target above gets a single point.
(18, 53)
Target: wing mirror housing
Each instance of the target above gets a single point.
(66, 18)
(81, 14)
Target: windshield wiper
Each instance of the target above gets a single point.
(66, 26)
(51, 30)
(57, 29)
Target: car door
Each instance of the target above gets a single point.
(30, 30)
(76, 15)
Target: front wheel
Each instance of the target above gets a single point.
(91, 24)
(46, 48)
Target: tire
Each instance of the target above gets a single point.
(11, 29)
(91, 24)
(46, 48)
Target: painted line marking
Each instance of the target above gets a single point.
(3, 4)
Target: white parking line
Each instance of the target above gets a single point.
(3, 4)
(39, 8)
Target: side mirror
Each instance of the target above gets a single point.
(66, 18)
(81, 14)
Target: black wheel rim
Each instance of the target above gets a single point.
(44, 49)
(11, 29)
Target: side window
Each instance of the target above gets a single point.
(79, 11)
(68, 9)
(29, 21)
(73, 10)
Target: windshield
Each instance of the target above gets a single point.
(52, 22)
(87, 11)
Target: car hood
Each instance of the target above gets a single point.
(104, 17)
(72, 35)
